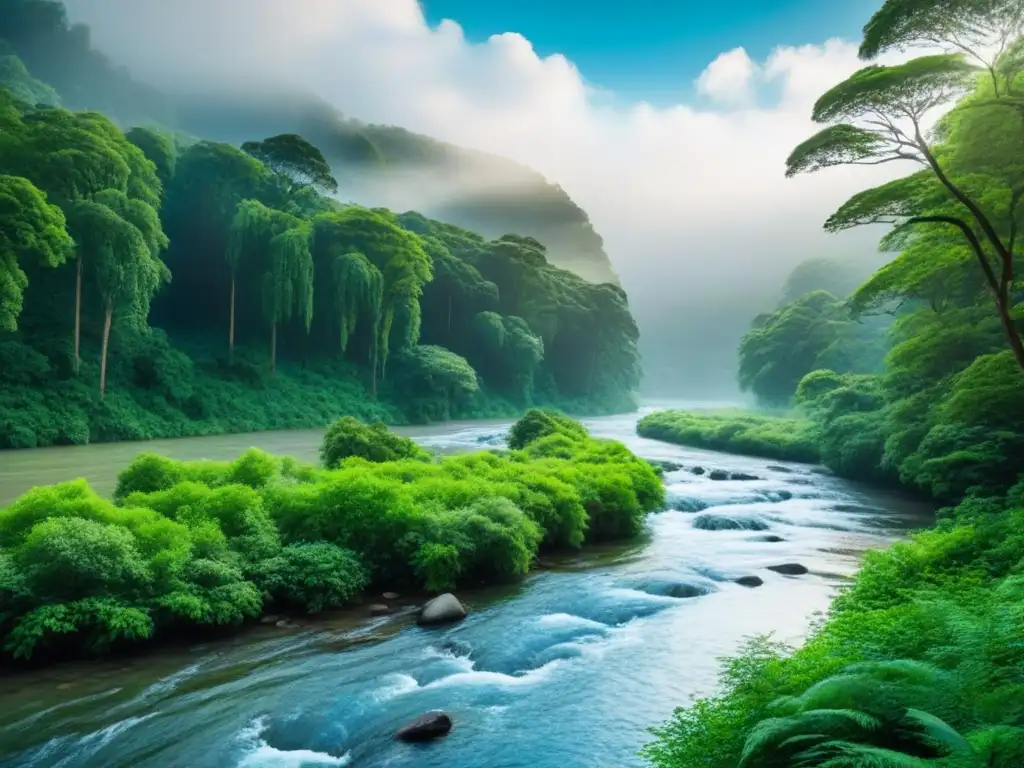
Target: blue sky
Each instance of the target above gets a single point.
(654, 49)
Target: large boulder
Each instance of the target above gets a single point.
(718, 474)
(432, 725)
(749, 581)
(789, 569)
(443, 609)
(743, 476)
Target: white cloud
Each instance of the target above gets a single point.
(691, 201)
(730, 79)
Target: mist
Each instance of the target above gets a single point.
(700, 224)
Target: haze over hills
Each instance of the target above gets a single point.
(388, 166)
(698, 246)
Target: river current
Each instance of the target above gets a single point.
(566, 670)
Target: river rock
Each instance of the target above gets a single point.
(709, 522)
(697, 470)
(789, 569)
(272, 618)
(379, 609)
(390, 595)
(770, 538)
(749, 581)
(456, 648)
(667, 466)
(777, 468)
(285, 624)
(433, 725)
(743, 476)
(718, 474)
(443, 609)
(669, 588)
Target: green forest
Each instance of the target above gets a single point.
(156, 283)
(911, 379)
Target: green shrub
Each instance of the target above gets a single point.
(348, 437)
(748, 434)
(312, 577)
(539, 423)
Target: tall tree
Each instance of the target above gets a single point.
(295, 160)
(252, 231)
(288, 282)
(889, 106)
(30, 229)
(125, 269)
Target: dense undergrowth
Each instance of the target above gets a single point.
(748, 434)
(204, 545)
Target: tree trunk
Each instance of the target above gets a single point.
(1012, 335)
(373, 374)
(231, 326)
(273, 348)
(449, 318)
(78, 312)
(103, 354)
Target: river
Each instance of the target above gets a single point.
(567, 670)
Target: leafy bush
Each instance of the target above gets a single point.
(539, 423)
(348, 437)
(312, 577)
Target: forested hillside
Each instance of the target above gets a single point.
(157, 283)
(915, 380)
(375, 165)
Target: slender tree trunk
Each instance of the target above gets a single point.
(231, 326)
(103, 354)
(78, 312)
(373, 374)
(273, 348)
(1012, 334)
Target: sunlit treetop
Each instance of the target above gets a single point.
(294, 158)
(910, 89)
(981, 29)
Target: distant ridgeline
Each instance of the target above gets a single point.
(485, 193)
(274, 305)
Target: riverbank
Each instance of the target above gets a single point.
(204, 546)
(581, 638)
(735, 431)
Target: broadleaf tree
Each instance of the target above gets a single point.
(879, 115)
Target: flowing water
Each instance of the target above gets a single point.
(566, 670)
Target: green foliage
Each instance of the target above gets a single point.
(344, 293)
(537, 424)
(748, 434)
(189, 545)
(15, 78)
(914, 667)
(800, 337)
(30, 230)
(349, 437)
(295, 159)
(312, 577)
(918, 663)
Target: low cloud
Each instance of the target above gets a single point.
(697, 216)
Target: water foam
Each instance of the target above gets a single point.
(259, 754)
